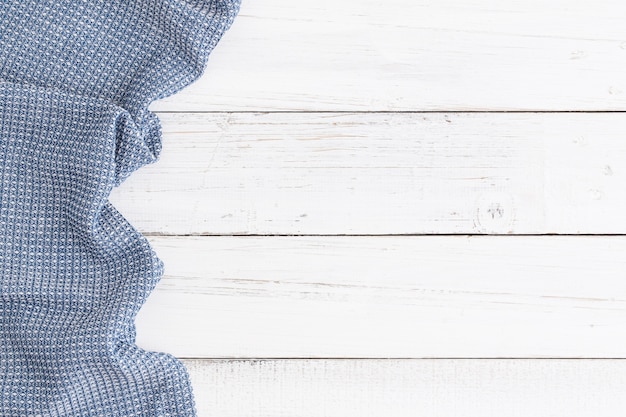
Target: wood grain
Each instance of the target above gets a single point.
(388, 297)
(416, 55)
(407, 388)
(381, 173)
(390, 122)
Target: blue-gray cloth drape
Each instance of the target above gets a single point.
(76, 80)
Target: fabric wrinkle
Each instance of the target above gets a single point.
(76, 82)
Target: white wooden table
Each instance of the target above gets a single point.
(399, 208)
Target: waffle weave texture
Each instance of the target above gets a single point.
(76, 80)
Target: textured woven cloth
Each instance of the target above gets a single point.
(76, 79)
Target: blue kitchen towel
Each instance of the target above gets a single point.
(76, 80)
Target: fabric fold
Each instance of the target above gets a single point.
(74, 272)
(76, 80)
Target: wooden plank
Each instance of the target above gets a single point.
(390, 297)
(408, 388)
(336, 173)
(416, 55)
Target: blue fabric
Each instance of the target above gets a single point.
(76, 80)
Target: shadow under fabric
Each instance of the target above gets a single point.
(76, 80)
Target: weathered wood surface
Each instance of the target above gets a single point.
(324, 119)
(388, 297)
(416, 55)
(408, 388)
(379, 173)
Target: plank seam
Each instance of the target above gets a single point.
(159, 234)
(386, 111)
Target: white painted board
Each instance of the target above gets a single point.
(396, 297)
(416, 55)
(380, 173)
(408, 388)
